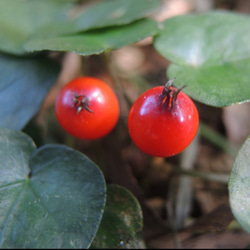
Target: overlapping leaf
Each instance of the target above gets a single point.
(52, 18)
(121, 226)
(210, 53)
(21, 19)
(95, 42)
(52, 197)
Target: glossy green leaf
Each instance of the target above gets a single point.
(24, 83)
(55, 18)
(21, 19)
(239, 186)
(210, 53)
(121, 226)
(95, 42)
(218, 86)
(212, 38)
(51, 197)
(115, 12)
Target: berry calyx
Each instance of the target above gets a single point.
(169, 94)
(81, 102)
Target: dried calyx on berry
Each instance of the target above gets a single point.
(80, 103)
(169, 94)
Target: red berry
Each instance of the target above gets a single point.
(87, 108)
(163, 121)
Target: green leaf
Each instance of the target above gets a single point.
(121, 225)
(210, 53)
(21, 19)
(95, 42)
(63, 17)
(115, 12)
(218, 86)
(52, 197)
(24, 83)
(239, 186)
(212, 38)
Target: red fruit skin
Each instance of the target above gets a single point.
(102, 101)
(159, 130)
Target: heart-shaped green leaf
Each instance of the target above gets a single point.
(63, 17)
(239, 186)
(121, 225)
(24, 83)
(95, 42)
(52, 197)
(210, 53)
